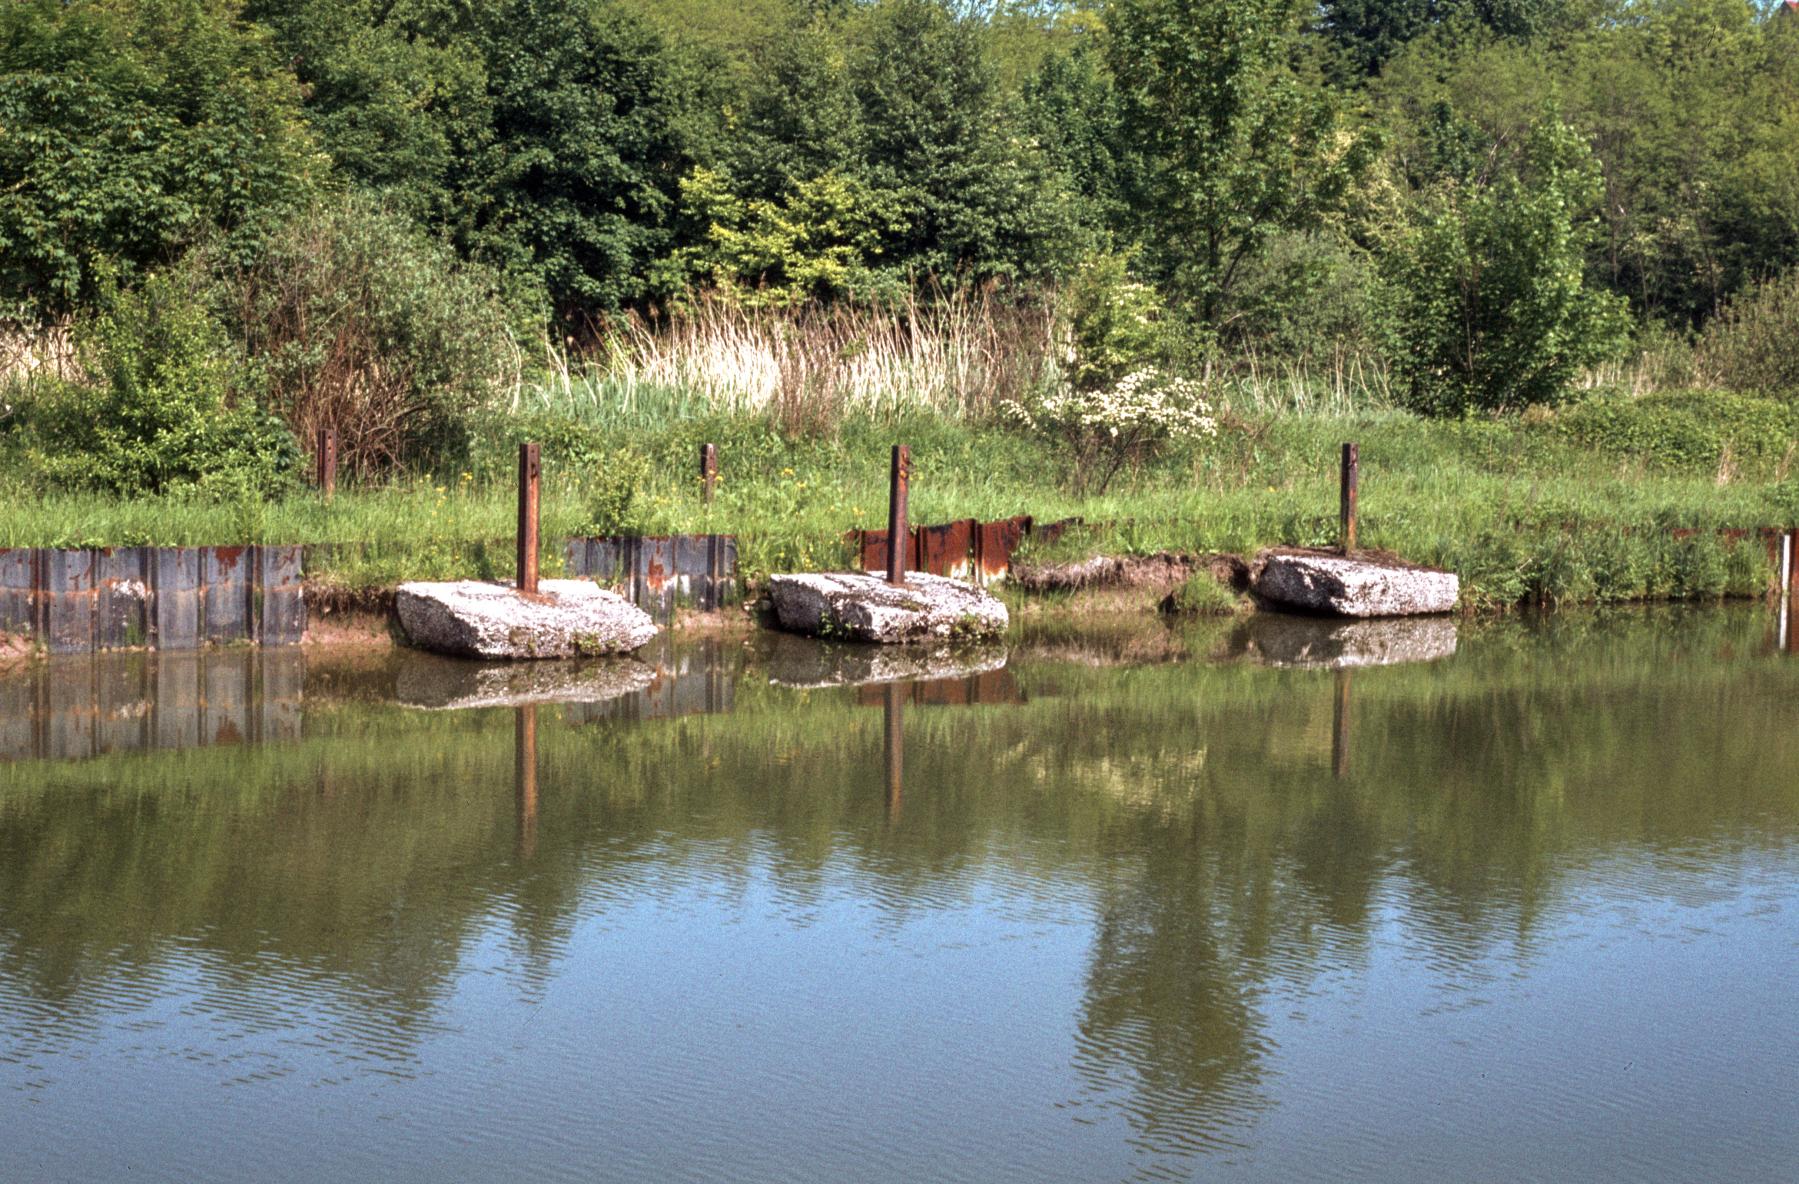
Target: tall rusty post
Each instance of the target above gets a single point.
(1352, 463)
(708, 470)
(524, 777)
(893, 712)
(324, 459)
(896, 514)
(529, 470)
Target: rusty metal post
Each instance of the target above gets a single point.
(1340, 727)
(894, 713)
(325, 461)
(529, 469)
(524, 777)
(897, 529)
(708, 470)
(1352, 463)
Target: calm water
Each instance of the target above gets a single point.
(1116, 907)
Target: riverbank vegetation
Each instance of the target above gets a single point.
(1538, 263)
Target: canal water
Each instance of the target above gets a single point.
(1214, 904)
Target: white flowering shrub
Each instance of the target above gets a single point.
(1125, 423)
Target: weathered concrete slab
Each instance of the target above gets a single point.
(1321, 643)
(1344, 586)
(858, 606)
(437, 684)
(804, 665)
(569, 618)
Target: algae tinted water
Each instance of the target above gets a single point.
(1122, 908)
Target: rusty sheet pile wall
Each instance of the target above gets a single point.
(966, 549)
(658, 573)
(168, 598)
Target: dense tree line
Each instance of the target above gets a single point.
(1490, 192)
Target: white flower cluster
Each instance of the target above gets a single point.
(1147, 404)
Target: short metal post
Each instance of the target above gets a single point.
(708, 470)
(529, 468)
(1351, 472)
(896, 514)
(325, 461)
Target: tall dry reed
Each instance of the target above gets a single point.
(959, 353)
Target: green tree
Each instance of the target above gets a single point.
(977, 199)
(1237, 142)
(1490, 307)
(130, 130)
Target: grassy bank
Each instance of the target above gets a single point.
(1582, 505)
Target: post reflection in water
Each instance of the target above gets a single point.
(524, 776)
(1340, 724)
(1127, 930)
(893, 709)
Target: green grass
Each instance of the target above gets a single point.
(1581, 506)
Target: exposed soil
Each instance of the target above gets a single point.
(1159, 573)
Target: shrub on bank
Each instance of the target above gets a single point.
(158, 407)
(354, 320)
(1750, 344)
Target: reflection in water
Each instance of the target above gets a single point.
(524, 741)
(1340, 725)
(1131, 921)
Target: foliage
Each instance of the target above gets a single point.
(1103, 429)
(1751, 343)
(1491, 310)
(974, 200)
(1112, 322)
(161, 412)
(1236, 142)
(130, 130)
(821, 241)
(1692, 431)
(355, 321)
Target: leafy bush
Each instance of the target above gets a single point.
(1687, 430)
(1750, 344)
(129, 130)
(1111, 323)
(358, 322)
(1490, 308)
(161, 409)
(1127, 423)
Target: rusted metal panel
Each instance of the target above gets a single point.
(994, 543)
(175, 604)
(653, 582)
(16, 570)
(68, 599)
(123, 595)
(281, 596)
(659, 573)
(225, 583)
(1051, 531)
(947, 550)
